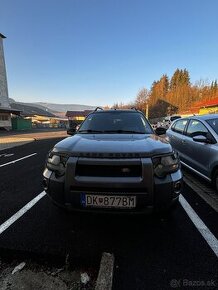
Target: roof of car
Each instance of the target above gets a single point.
(204, 117)
(117, 111)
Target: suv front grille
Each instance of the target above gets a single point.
(109, 189)
(109, 170)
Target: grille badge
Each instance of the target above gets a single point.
(125, 170)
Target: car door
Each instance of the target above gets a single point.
(198, 154)
(176, 136)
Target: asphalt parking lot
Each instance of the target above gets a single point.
(151, 252)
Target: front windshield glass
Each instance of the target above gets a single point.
(214, 124)
(116, 122)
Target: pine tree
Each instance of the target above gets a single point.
(174, 79)
(163, 86)
(185, 77)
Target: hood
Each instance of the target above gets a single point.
(113, 145)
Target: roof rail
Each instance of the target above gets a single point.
(98, 108)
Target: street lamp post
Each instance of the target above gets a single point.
(146, 111)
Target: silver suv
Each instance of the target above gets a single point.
(195, 139)
(113, 163)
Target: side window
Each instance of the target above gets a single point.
(173, 126)
(179, 126)
(195, 128)
(3, 117)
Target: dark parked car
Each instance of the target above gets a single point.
(73, 125)
(195, 139)
(114, 162)
(169, 120)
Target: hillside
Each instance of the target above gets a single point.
(65, 107)
(30, 110)
(55, 109)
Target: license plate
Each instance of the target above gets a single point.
(108, 201)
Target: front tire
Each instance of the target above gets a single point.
(167, 211)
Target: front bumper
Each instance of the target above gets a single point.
(151, 193)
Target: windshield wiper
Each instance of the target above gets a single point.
(90, 131)
(124, 131)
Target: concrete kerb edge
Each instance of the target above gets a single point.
(207, 198)
(5, 146)
(105, 274)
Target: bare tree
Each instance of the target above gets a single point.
(142, 99)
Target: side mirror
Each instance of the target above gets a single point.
(160, 131)
(71, 131)
(200, 138)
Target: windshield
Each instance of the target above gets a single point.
(214, 124)
(116, 122)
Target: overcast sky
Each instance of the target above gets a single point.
(98, 52)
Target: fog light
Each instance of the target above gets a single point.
(45, 184)
(177, 187)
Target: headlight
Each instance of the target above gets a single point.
(57, 162)
(164, 165)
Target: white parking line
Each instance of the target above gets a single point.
(6, 155)
(21, 212)
(14, 161)
(200, 225)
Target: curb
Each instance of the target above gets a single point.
(208, 198)
(7, 144)
(105, 274)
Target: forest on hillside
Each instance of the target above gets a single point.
(172, 95)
